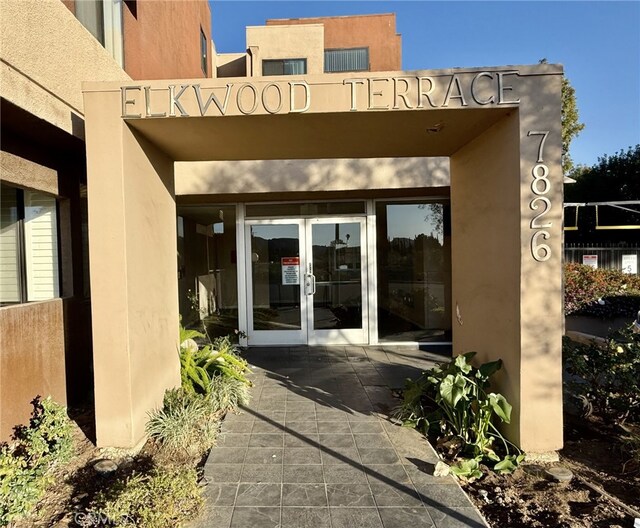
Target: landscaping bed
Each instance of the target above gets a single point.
(53, 475)
(596, 454)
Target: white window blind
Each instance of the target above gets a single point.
(41, 246)
(9, 243)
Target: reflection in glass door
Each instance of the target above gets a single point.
(307, 281)
(276, 305)
(338, 304)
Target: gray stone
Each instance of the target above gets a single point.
(559, 473)
(105, 467)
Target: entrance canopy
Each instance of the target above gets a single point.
(500, 128)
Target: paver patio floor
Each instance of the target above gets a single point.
(315, 448)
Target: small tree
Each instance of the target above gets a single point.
(571, 125)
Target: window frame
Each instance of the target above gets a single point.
(21, 249)
(303, 60)
(204, 52)
(368, 67)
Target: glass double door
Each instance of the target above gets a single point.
(306, 281)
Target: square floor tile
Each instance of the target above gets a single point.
(340, 455)
(226, 455)
(344, 474)
(264, 455)
(302, 455)
(255, 473)
(233, 440)
(224, 473)
(301, 440)
(336, 440)
(255, 518)
(378, 456)
(296, 517)
(386, 473)
(266, 440)
(334, 427)
(261, 426)
(259, 494)
(237, 427)
(395, 494)
(303, 473)
(371, 441)
(300, 416)
(220, 494)
(309, 426)
(417, 517)
(304, 495)
(355, 517)
(367, 427)
(351, 495)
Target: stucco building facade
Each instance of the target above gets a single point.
(48, 49)
(315, 193)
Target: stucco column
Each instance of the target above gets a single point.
(507, 289)
(134, 299)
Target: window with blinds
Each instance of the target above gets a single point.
(346, 60)
(284, 67)
(29, 261)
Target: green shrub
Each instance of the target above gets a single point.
(585, 287)
(607, 376)
(451, 404)
(186, 425)
(198, 365)
(26, 464)
(227, 393)
(161, 498)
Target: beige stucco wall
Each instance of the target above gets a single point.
(273, 176)
(289, 42)
(231, 64)
(134, 295)
(26, 173)
(42, 70)
(509, 303)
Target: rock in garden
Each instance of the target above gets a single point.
(105, 467)
(441, 469)
(559, 473)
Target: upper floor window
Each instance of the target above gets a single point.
(29, 262)
(284, 67)
(103, 19)
(346, 60)
(203, 51)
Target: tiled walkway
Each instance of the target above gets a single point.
(315, 448)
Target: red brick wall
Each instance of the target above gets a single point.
(378, 32)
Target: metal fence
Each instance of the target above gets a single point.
(609, 256)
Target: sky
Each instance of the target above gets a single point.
(598, 42)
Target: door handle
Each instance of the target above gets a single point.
(310, 284)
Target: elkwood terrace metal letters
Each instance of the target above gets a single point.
(379, 93)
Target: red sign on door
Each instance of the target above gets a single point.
(290, 270)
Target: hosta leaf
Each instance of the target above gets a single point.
(500, 406)
(489, 369)
(452, 389)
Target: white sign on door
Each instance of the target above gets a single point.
(590, 260)
(290, 270)
(630, 264)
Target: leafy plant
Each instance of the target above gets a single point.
(186, 424)
(26, 464)
(161, 498)
(450, 402)
(198, 365)
(608, 376)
